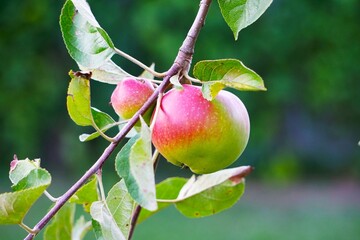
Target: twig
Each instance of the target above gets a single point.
(182, 62)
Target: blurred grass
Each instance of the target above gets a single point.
(313, 210)
(296, 212)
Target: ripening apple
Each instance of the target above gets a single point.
(206, 136)
(129, 96)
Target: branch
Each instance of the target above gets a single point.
(181, 63)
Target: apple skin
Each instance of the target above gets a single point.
(130, 95)
(206, 136)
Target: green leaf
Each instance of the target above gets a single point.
(167, 189)
(109, 73)
(86, 195)
(218, 74)
(15, 205)
(78, 99)
(87, 43)
(29, 183)
(121, 206)
(102, 120)
(20, 169)
(105, 226)
(80, 229)
(36, 177)
(239, 14)
(134, 164)
(61, 225)
(79, 106)
(211, 193)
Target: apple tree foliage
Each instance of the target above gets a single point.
(136, 196)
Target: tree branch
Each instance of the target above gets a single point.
(181, 63)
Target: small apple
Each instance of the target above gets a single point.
(204, 135)
(129, 96)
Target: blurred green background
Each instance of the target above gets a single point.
(305, 128)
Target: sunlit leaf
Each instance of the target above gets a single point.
(121, 206)
(78, 99)
(211, 193)
(61, 225)
(106, 227)
(239, 14)
(20, 169)
(29, 183)
(212, 200)
(134, 164)
(15, 205)
(86, 195)
(167, 189)
(87, 43)
(218, 74)
(108, 72)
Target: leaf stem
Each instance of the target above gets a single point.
(140, 64)
(186, 75)
(27, 228)
(50, 197)
(100, 184)
(101, 132)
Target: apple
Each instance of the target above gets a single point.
(205, 136)
(130, 95)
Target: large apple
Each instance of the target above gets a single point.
(204, 135)
(129, 96)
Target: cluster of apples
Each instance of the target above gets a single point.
(189, 130)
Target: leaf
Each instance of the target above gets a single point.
(167, 189)
(61, 225)
(29, 183)
(239, 14)
(20, 169)
(121, 206)
(80, 229)
(218, 74)
(15, 205)
(79, 106)
(109, 73)
(102, 120)
(106, 227)
(87, 43)
(78, 99)
(86, 195)
(134, 164)
(211, 193)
